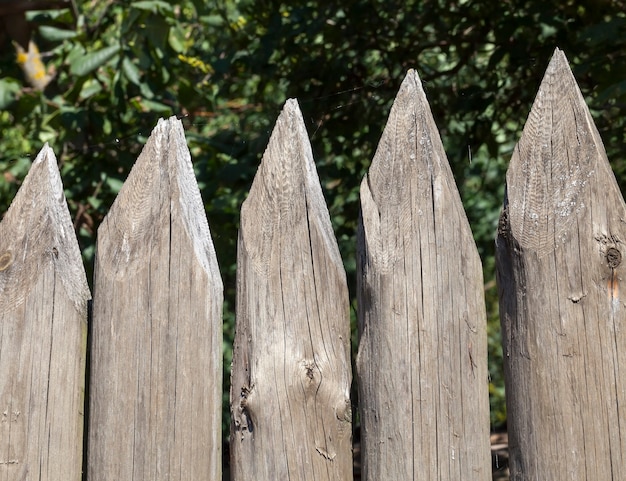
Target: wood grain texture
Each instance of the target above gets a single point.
(559, 245)
(43, 328)
(291, 370)
(156, 356)
(422, 361)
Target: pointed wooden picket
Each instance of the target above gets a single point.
(291, 373)
(559, 255)
(43, 329)
(156, 350)
(422, 362)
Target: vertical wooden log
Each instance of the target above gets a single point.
(422, 362)
(156, 358)
(291, 370)
(43, 329)
(559, 264)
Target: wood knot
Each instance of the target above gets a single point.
(613, 257)
(309, 369)
(343, 412)
(6, 260)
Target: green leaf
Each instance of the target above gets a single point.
(165, 75)
(158, 107)
(131, 71)
(90, 62)
(114, 184)
(152, 6)
(212, 20)
(177, 39)
(95, 202)
(90, 88)
(129, 21)
(8, 91)
(76, 53)
(54, 34)
(146, 91)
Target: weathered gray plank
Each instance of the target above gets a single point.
(291, 362)
(156, 358)
(559, 248)
(43, 329)
(422, 362)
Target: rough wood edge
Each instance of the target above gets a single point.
(190, 201)
(165, 158)
(543, 184)
(411, 96)
(274, 185)
(39, 218)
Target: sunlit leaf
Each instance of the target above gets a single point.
(152, 5)
(156, 106)
(90, 62)
(54, 34)
(177, 39)
(90, 88)
(131, 71)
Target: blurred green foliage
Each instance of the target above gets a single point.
(226, 67)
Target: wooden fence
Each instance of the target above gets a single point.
(155, 334)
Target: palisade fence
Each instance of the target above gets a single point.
(152, 410)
